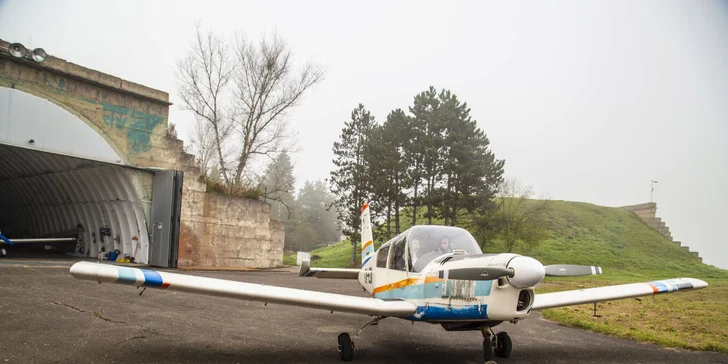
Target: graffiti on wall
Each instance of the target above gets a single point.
(139, 126)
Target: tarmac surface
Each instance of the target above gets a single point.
(47, 316)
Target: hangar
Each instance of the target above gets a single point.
(86, 155)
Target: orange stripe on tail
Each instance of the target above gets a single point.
(368, 243)
(366, 205)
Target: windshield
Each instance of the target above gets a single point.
(427, 242)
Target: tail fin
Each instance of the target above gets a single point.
(367, 243)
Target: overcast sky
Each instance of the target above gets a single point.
(585, 100)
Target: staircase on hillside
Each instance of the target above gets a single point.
(647, 212)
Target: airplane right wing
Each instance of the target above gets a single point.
(609, 293)
(97, 272)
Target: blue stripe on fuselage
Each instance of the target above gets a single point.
(152, 278)
(442, 313)
(434, 290)
(126, 275)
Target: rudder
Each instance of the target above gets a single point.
(367, 243)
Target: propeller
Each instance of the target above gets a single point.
(571, 270)
(475, 273)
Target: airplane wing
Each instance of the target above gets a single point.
(108, 273)
(609, 293)
(306, 271)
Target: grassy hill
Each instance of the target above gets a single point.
(628, 251)
(583, 233)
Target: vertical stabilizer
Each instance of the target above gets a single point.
(367, 243)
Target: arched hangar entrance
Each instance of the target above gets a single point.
(61, 178)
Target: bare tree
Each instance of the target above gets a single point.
(204, 75)
(266, 87)
(203, 146)
(244, 96)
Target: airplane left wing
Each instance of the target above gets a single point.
(609, 293)
(245, 291)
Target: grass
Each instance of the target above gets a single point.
(333, 256)
(628, 251)
(695, 320)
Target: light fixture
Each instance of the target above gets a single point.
(18, 50)
(39, 55)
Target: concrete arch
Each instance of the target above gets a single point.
(56, 183)
(19, 100)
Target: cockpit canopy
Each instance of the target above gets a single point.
(415, 248)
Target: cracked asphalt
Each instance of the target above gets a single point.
(47, 316)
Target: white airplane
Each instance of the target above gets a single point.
(434, 274)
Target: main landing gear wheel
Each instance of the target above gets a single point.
(499, 345)
(503, 345)
(346, 347)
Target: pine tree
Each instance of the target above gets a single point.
(387, 164)
(278, 186)
(349, 180)
(470, 172)
(423, 150)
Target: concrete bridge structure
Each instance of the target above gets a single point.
(84, 151)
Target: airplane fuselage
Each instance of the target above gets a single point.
(441, 299)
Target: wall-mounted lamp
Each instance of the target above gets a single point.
(18, 50)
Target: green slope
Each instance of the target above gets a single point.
(583, 233)
(618, 241)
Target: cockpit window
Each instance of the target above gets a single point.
(382, 256)
(397, 254)
(427, 242)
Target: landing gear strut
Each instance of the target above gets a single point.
(346, 345)
(499, 345)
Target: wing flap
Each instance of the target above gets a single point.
(609, 293)
(342, 273)
(239, 290)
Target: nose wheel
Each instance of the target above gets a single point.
(495, 345)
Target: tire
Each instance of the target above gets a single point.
(346, 347)
(504, 345)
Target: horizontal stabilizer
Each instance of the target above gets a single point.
(570, 270)
(609, 293)
(108, 273)
(342, 273)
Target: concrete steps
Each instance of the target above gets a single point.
(647, 213)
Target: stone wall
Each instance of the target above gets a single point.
(229, 232)
(647, 213)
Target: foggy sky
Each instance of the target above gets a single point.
(585, 101)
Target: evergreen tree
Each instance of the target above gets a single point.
(423, 150)
(470, 172)
(385, 159)
(350, 181)
(278, 186)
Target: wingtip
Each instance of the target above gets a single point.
(697, 283)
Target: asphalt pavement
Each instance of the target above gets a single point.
(47, 316)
